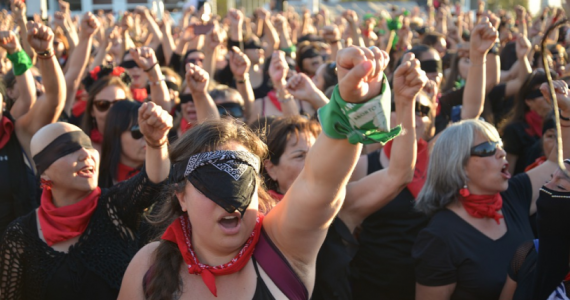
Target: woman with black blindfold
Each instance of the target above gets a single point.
(18, 123)
(219, 215)
(479, 214)
(78, 244)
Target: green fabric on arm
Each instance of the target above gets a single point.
(21, 62)
(364, 123)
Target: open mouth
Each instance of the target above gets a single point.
(229, 222)
(505, 171)
(86, 172)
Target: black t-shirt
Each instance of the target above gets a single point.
(499, 105)
(517, 141)
(450, 250)
(383, 265)
(446, 104)
(225, 76)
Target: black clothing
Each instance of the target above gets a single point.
(499, 105)
(18, 184)
(383, 265)
(446, 104)
(333, 264)
(262, 292)
(450, 250)
(93, 267)
(519, 142)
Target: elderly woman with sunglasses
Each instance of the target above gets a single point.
(479, 214)
(79, 242)
(21, 120)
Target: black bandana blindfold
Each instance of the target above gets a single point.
(229, 178)
(63, 145)
(431, 66)
(309, 53)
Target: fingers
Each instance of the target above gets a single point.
(196, 74)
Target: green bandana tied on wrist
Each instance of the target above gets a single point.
(21, 62)
(365, 123)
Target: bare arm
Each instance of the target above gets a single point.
(508, 289)
(524, 68)
(146, 60)
(240, 64)
(168, 44)
(303, 88)
(443, 292)
(154, 123)
(278, 69)
(19, 13)
(197, 80)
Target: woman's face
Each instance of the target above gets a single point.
(432, 55)
(188, 110)
(138, 76)
(311, 65)
(77, 171)
(539, 105)
(291, 161)
(319, 78)
(487, 175)
(548, 141)
(196, 58)
(464, 65)
(209, 231)
(111, 94)
(560, 181)
(132, 150)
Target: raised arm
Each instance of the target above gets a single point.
(523, 69)
(240, 64)
(168, 44)
(303, 88)
(154, 123)
(19, 13)
(270, 35)
(298, 225)
(483, 37)
(278, 70)
(197, 80)
(78, 60)
(332, 36)
(146, 60)
(152, 25)
(212, 41)
(374, 191)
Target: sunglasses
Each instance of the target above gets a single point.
(230, 109)
(421, 110)
(136, 132)
(172, 86)
(534, 94)
(104, 105)
(486, 149)
(185, 98)
(128, 64)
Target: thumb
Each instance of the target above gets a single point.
(355, 76)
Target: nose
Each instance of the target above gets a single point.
(83, 154)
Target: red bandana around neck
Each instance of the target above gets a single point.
(125, 172)
(272, 95)
(60, 224)
(277, 196)
(185, 126)
(78, 108)
(139, 94)
(96, 136)
(6, 129)
(420, 171)
(481, 206)
(180, 232)
(534, 122)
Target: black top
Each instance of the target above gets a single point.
(450, 250)
(333, 264)
(446, 104)
(18, 184)
(262, 292)
(519, 142)
(383, 265)
(94, 267)
(225, 76)
(499, 105)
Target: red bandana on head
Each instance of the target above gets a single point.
(481, 206)
(420, 172)
(60, 224)
(6, 129)
(180, 232)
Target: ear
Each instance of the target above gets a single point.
(271, 169)
(181, 200)
(529, 103)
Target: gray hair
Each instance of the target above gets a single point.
(450, 154)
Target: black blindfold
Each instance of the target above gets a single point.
(431, 66)
(63, 145)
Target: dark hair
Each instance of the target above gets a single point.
(204, 137)
(121, 117)
(224, 92)
(8, 82)
(329, 76)
(453, 74)
(278, 134)
(88, 122)
(431, 38)
(418, 51)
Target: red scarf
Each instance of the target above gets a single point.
(275, 195)
(420, 172)
(78, 108)
(63, 223)
(125, 172)
(480, 206)
(139, 94)
(5, 131)
(96, 136)
(185, 126)
(539, 161)
(272, 95)
(534, 122)
(180, 232)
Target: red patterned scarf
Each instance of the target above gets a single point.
(60, 224)
(420, 172)
(480, 206)
(6, 129)
(180, 232)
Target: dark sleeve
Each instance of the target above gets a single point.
(496, 97)
(519, 193)
(446, 103)
(131, 197)
(12, 262)
(176, 63)
(224, 76)
(512, 141)
(434, 266)
(519, 259)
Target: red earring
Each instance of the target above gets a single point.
(464, 192)
(45, 184)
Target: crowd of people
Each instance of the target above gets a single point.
(250, 156)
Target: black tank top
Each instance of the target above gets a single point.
(261, 290)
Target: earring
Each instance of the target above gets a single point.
(464, 192)
(46, 184)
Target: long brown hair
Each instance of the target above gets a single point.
(208, 136)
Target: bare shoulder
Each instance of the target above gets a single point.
(131, 287)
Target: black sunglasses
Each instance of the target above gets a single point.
(104, 105)
(128, 64)
(421, 110)
(185, 98)
(230, 109)
(534, 94)
(486, 149)
(172, 86)
(136, 132)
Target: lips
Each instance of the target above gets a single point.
(230, 224)
(505, 171)
(86, 172)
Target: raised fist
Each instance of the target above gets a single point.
(9, 42)
(89, 25)
(40, 37)
(409, 79)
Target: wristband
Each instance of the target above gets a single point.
(151, 67)
(290, 49)
(46, 54)
(561, 116)
(21, 62)
(158, 82)
(364, 123)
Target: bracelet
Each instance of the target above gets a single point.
(21, 62)
(151, 67)
(242, 81)
(158, 82)
(285, 99)
(154, 146)
(562, 117)
(49, 53)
